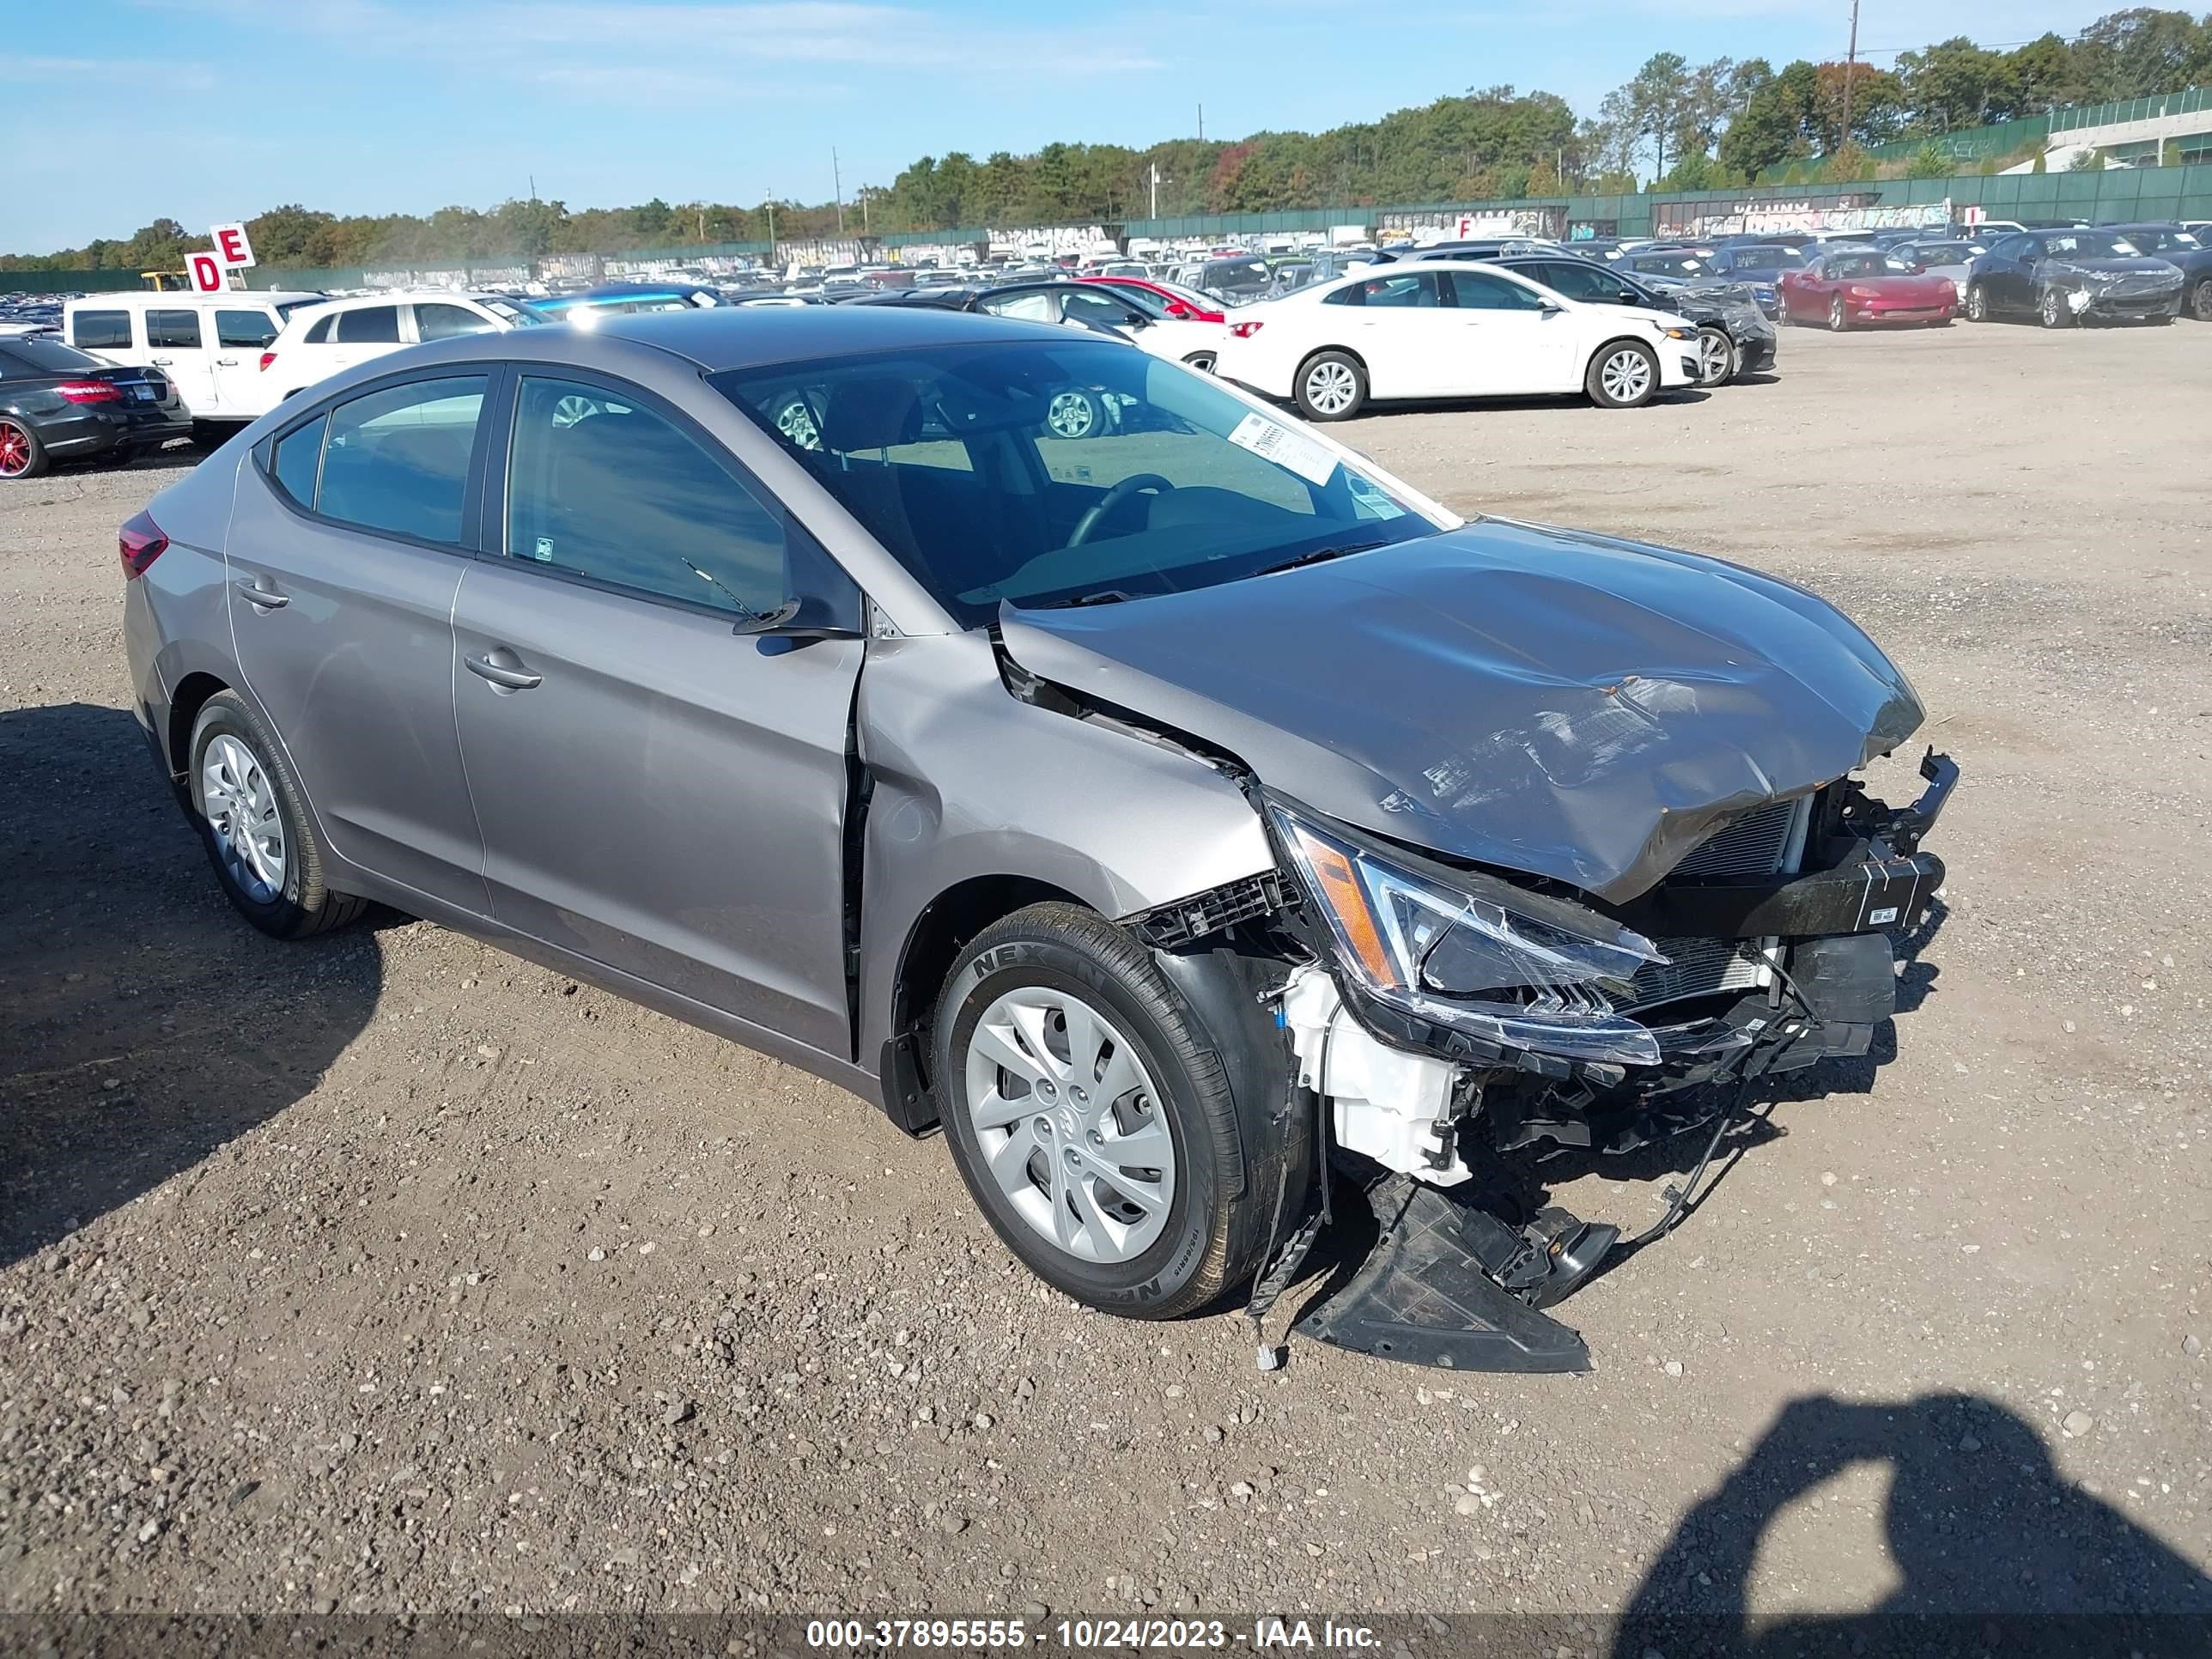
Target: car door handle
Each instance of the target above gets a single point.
(266, 598)
(516, 678)
(227, 362)
(163, 362)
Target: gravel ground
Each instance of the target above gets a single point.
(388, 1272)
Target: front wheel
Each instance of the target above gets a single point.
(1088, 1110)
(2200, 300)
(1716, 356)
(2050, 310)
(21, 454)
(1840, 315)
(1332, 386)
(1977, 303)
(1201, 361)
(254, 821)
(1623, 375)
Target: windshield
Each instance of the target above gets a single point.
(50, 356)
(1668, 264)
(1859, 265)
(1940, 254)
(1765, 258)
(2090, 245)
(1047, 473)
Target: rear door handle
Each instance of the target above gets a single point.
(265, 597)
(512, 678)
(227, 362)
(165, 361)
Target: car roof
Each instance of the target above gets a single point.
(128, 297)
(753, 337)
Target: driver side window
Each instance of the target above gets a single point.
(601, 488)
(1485, 290)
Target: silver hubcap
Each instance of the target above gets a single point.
(1626, 376)
(795, 421)
(1330, 387)
(242, 809)
(1200, 361)
(1713, 356)
(1070, 415)
(1070, 1125)
(1835, 313)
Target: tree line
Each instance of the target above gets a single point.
(1674, 126)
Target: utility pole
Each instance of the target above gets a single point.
(1850, 63)
(770, 206)
(864, 210)
(1201, 123)
(1156, 190)
(838, 183)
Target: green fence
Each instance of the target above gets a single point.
(2115, 195)
(2186, 103)
(1967, 144)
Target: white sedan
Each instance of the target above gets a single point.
(1438, 330)
(319, 340)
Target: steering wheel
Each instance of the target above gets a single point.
(1112, 498)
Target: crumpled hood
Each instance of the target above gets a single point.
(2108, 271)
(1564, 704)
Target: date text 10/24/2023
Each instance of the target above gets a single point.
(1087, 1635)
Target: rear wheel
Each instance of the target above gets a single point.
(1200, 361)
(1074, 413)
(1840, 315)
(1623, 375)
(254, 821)
(2200, 300)
(1716, 356)
(1090, 1115)
(213, 434)
(1332, 386)
(21, 454)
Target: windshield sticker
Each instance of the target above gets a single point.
(1309, 457)
(1372, 502)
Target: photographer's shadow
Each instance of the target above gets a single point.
(1993, 1547)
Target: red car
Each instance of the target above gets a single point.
(1169, 300)
(1847, 287)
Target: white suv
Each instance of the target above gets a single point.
(207, 343)
(319, 340)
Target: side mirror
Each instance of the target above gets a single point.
(1628, 296)
(1177, 309)
(1549, 308)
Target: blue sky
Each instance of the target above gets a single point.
(225, 107)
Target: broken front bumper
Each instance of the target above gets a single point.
(1448, 1283)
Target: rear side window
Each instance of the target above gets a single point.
(398, 459)
(100, 331)
(249, 329)
(298, 457)
(1037, 306)
(616, 492)
(1484, 290)
(443, 322)
(176, 331)
(369, 325)
(321, 331)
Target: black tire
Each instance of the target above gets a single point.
(2050, 310)
(1074, 412)
(211, 435)
(1717, 368)
(1977, 303)
(21, 454)
(1839, 314)
(1211, 1240)
(2200, 300)
(304, 907)
(1325, 370)
(1593, 377)
(1201, 361)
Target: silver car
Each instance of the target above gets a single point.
(1169, 812)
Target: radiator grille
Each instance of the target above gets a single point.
(1752, 845)
(1693, 967)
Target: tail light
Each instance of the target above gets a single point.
(267, 358)
(1245, 331)
(140, 542)
(89, 392)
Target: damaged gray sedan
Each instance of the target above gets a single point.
(1168, 804)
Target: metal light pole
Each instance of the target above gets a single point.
(838, 183)
(1850, 63)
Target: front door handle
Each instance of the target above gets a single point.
(509, 675)
(227, 362)
(266, 599)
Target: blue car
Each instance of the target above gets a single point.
(1758, 266)
(621, 297)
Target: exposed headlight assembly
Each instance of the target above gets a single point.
(1471, 952)
(1680, 333)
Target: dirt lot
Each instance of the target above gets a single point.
(389, 1273)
